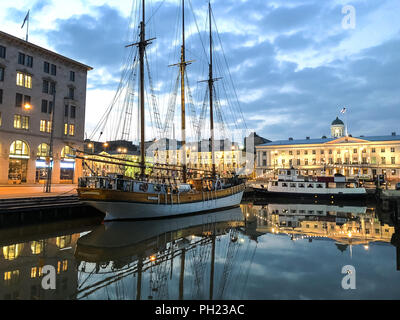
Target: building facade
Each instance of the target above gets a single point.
(351, 156)
(40, 92)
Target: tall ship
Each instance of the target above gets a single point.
(173, 190)
(293, 185)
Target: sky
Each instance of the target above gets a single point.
(294, 64)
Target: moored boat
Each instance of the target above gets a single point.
(291, 184)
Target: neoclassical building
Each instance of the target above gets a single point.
(363, 156)
(38, 87)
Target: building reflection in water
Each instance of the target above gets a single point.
(25, 251)
(346, 225)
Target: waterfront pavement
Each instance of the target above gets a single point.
(34, 190)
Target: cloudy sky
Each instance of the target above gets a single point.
(293, 63)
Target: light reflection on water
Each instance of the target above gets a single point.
(267, 251)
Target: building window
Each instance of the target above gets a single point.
(298, 152)
(290, 153)
(29, 61)
(383, 160)
(45, 86)
(21, 122)
(66, 111)
(2, 52)
(1, 96)
(53, 70)
(72, 76)
(393, 160)
(392, 150)
(18, 100)
(373, 150)
(71, 93)
(322, 152)
(298, 162)
(71, 130)
(46, 67)
(24, 80)
(27, 100)
(44, 106)
(306, 152)
(73, 112)
(355, 151)
(306, 162)
(50, 110)
(383, 150)
(1, 74)
(52, 87)
(0, 119)
(21, 58)
(43, 126)
(66, 129)
(314, 152)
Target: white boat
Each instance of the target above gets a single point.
(291, 184)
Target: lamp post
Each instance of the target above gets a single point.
(51, 160)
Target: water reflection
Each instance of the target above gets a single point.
(258, 251)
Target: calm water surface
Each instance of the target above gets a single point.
(270, 251)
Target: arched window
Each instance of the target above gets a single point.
(19, 148)
(67, 152)
(43, 150)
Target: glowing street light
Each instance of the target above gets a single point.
(27, 106)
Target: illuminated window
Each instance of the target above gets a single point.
(67, 152)
(24, 80)
(20, 79)
(37, 247)
(71, 130)
(63, 242)
(48, 126)
(34, 272)
(66, 129)
(0, 119)
(43, 150)
(12, 252)
(58, 267)
(43, 125)
(17, 121)
(65, 265)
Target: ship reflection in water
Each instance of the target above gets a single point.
(268, 251)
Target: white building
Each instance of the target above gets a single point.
(351, 156)
(29, 75)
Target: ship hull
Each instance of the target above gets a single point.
(316, 195)
(155, 207)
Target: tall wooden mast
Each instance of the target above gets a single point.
(183, 103)
(210, 89)
(142, 47)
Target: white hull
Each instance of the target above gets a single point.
(133, 210)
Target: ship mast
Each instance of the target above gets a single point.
(183, 105)
(142, 47)
(211, 81)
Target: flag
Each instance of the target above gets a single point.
(343, 110)
(26, 19)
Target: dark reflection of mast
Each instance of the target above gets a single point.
(139, 279)
(212, 267)
(182, 275)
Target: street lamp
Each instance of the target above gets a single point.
(27, 107)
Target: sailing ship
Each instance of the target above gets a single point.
(122, 198)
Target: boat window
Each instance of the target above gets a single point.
(301, 185)
(310, 186)
(310, 212)
(293, 185)
(275, 184)
(293, 211)
(288, 173)
(320, 212)
(319, 186)
(302, 211)
(284, 185)
(285, 211)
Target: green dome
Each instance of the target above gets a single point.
(337, 122)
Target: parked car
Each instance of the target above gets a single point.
(398, 186)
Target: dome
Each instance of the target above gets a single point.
(337, 122)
